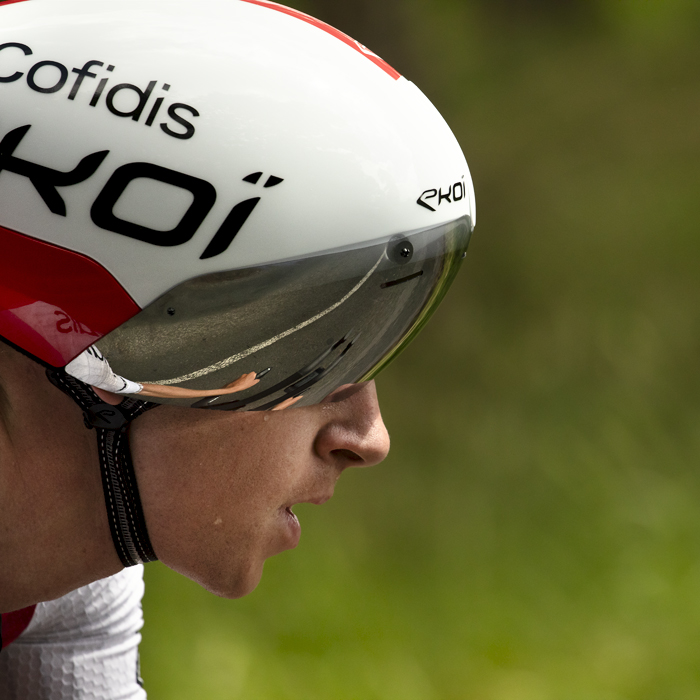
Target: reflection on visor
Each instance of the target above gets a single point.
(298, 328)
(293, 386)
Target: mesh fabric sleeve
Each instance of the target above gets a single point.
(83, 645)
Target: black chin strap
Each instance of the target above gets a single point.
(111, 423)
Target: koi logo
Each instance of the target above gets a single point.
(46, 181)
(454, 193)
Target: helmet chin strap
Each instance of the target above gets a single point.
(111, 423)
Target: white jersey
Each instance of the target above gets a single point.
(82, 646)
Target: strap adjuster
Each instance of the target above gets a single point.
(105, 416)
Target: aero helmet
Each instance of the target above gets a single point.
(221, 204)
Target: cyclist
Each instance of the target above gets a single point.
(229, 208)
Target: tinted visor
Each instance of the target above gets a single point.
(305, 326)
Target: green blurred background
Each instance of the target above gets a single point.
(535, 532)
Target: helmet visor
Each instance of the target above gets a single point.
(304, 326)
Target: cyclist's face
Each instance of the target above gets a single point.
(217, 487)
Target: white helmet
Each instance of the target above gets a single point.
(201, 190)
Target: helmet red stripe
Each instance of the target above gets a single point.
(333, 31)
(54, 302)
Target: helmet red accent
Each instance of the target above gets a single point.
(54, 302)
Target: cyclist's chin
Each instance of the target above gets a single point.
(232, 577)
(234, 584)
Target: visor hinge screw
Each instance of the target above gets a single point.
(405, 252)
(171, 311)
